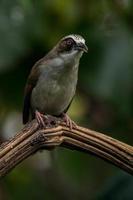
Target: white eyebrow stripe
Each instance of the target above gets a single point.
(77, 38)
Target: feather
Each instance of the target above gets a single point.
(31, 83)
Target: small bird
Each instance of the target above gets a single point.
(51, 85)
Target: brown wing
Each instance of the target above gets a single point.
(31, 83)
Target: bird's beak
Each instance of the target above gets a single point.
(81, 47)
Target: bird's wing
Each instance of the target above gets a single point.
(31, 83)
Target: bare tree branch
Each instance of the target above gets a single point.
(31, 139)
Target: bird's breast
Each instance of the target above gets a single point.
(54, 90)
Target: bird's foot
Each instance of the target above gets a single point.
(45, 121)
(69, 123)
(40, 119)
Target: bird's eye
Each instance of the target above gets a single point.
(69, 42)
(66, 45)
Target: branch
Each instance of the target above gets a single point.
(31, 139)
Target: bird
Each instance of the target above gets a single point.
(51, 84)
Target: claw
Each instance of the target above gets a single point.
(71, 124)
(44, 120)
(40, 118)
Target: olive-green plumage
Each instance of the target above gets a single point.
(52, 83)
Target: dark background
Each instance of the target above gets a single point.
(104, 99)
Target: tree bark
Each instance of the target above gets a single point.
(32, 139)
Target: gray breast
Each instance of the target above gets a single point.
(55, 89)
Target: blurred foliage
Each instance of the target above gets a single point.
(104, 100)
(118, 188)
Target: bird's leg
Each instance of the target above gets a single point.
(40, 118)
(45, 120)
(71, 124)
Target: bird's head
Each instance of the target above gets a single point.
(71, 46)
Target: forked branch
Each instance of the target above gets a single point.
(31, 139)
